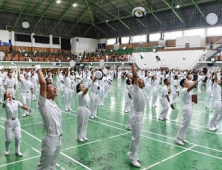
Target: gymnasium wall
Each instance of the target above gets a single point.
(170, 59)
(4, 36)
(79, 45)
(193, 41)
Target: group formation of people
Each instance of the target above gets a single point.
(91, 91)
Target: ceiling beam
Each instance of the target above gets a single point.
(50, 4)
(198, 8)
(35, 8)
(172, 8)
(79, 19)
(20, 14)
(62, 16)
(104, 11)
(91, 15)
(87, 30)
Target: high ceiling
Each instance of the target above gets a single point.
(87, 15)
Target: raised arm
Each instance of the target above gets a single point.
(135, 76)
(192, 86)
(42, 81)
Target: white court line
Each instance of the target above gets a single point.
(161, 141)
(23, 160)
(162, 135)
(95, 141)
(170, 122)
(60, 152)
(164, 160)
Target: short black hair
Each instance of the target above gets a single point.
(77, 88)
(128, 82)
(165, 80)
(182, 81)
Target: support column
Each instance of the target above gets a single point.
(33, 42)
(50, 43)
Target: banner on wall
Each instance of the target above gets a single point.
(116, 46)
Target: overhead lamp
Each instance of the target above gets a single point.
(58, 1)
(74, 5)
(177, 6)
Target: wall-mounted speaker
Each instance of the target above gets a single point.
(210, 64)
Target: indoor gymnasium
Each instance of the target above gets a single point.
(110, 84)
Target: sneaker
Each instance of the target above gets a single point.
(128, 128)
(126, 111)
(6, 153)
(18, 154)
(92, 117)
(212, 129)
(135, 163)
(24, 115)
(178, 141)
(85, 139)
(81, 140)
(95, 117)
(66, 110)
(27, 114)
(185, 141)
(161, 119)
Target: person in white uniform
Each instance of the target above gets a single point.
(94, 100)
(216, 118)
(128, 100)
(164, 100)
(82, 112)
(52, 119)
(68, 92)
(1, 89)
(139, 101)
(10, 84)
(155, 90)
(26, 90)
(12, 124)
(175, 89)
(35, 82)
(200, 81)
(209, 91)
(187, 111)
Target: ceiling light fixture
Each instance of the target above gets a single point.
(74, 5)
(177, 6)
(58, 1)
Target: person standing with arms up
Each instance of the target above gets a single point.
(139, 101)
(52, 119)
(187, 111)
(12, 124)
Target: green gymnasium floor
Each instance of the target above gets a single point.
(109, 140)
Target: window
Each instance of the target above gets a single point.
(155, 37)
(139, 38)
(172, 35)
(215, 31)
(111, 41)
(194, 32)
(125, 40)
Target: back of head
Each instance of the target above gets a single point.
(182, 81)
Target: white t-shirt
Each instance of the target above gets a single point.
(164, 92)
(83, 100)
(139, 100)
(51, 115)
(186, 97)
(11, 108)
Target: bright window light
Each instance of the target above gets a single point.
(111, 41)
(214, 31)
(173, 35)
(139, 38)
(194, 32)
(155, 37)
(125, 40)
(74, 5)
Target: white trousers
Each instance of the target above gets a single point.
(208, 99)
(68, 97)
(199, 85)
(82, 121)
(165, 108)
(94, 100)
(118, 81)
(128, 102)
(50, 150)
(147, 90)
(101, 95)
(1, 93)
(187, 114)
(136, 126)
(174, 95)
(13, 127)
(154, 98)
(35, 86)
(26, 100)
(216, 118)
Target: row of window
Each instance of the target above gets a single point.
(214, 31)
